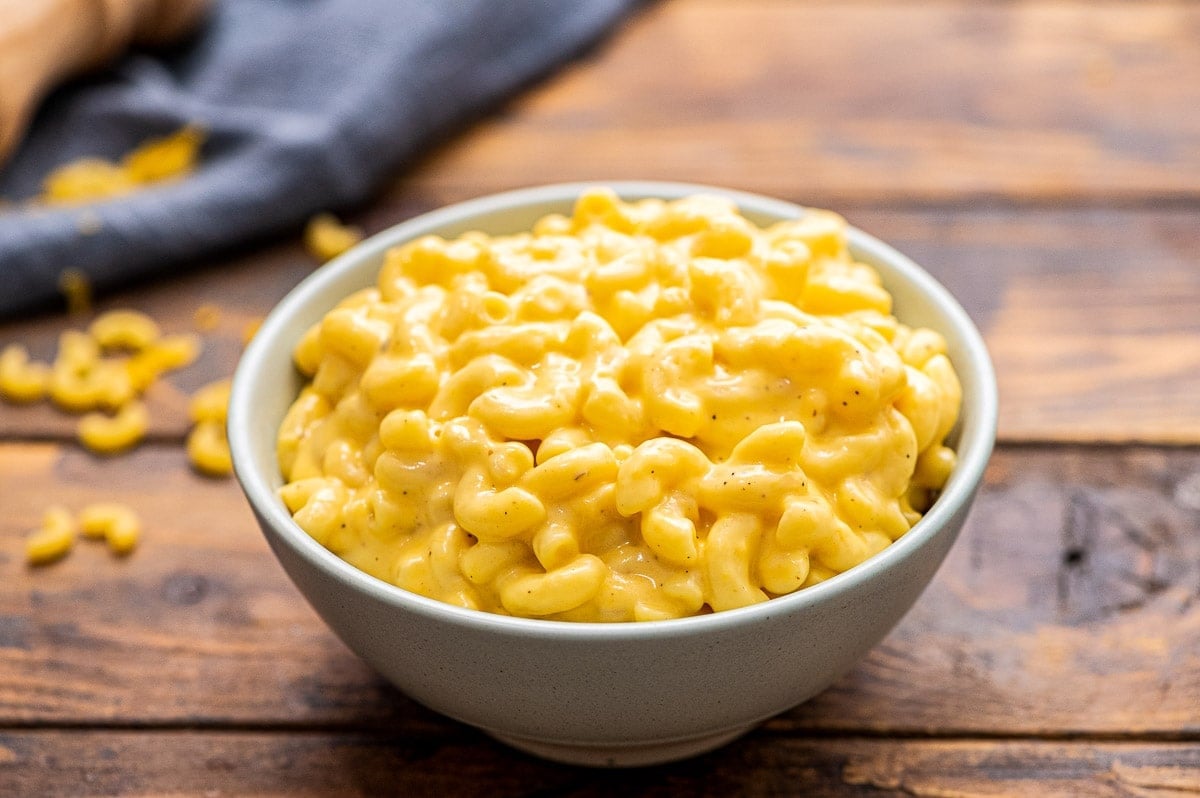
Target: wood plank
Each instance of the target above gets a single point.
(460, 763)
(1068, 607)
(864, 102)
(1092, 315)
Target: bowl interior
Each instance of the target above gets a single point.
(266, 383)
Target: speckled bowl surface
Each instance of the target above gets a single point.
(604, 694)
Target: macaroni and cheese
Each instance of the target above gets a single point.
(645, 410)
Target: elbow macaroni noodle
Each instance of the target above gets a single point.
(207, 446)
(22, 380)
(101, 373)
(109, 434)
(325, 237)
(90, 179)
(642, 411)
(115, 523)
(53, 539)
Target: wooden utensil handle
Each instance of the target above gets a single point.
(44, 41)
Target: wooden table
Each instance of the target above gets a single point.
(1041, 158)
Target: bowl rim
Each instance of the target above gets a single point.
(976, 441)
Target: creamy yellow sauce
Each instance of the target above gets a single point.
(642, 411)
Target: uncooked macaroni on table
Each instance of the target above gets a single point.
(102, 373)
(646, 410)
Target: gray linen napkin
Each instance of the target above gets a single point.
(307, 105)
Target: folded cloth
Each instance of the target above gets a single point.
(305, 106)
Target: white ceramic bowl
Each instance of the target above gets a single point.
(589, 693)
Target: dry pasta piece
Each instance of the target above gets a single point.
(208, 449)
(168, 353)
(165, 158)
(128, 330)
(114, 385)
(207, 446)
(53, 539)
(21, 379)
(115, 523)
(104, 383)
(325, 237)
(211, 402)
(110, 434)
(77, 350)
(72, 384)
(74, 392)
(156, 160)
(85, 180)
(83, 378)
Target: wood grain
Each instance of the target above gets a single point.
(1042, 159)
(1068, 607)
(460, 763)
(1092, 315)
(865, 103)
